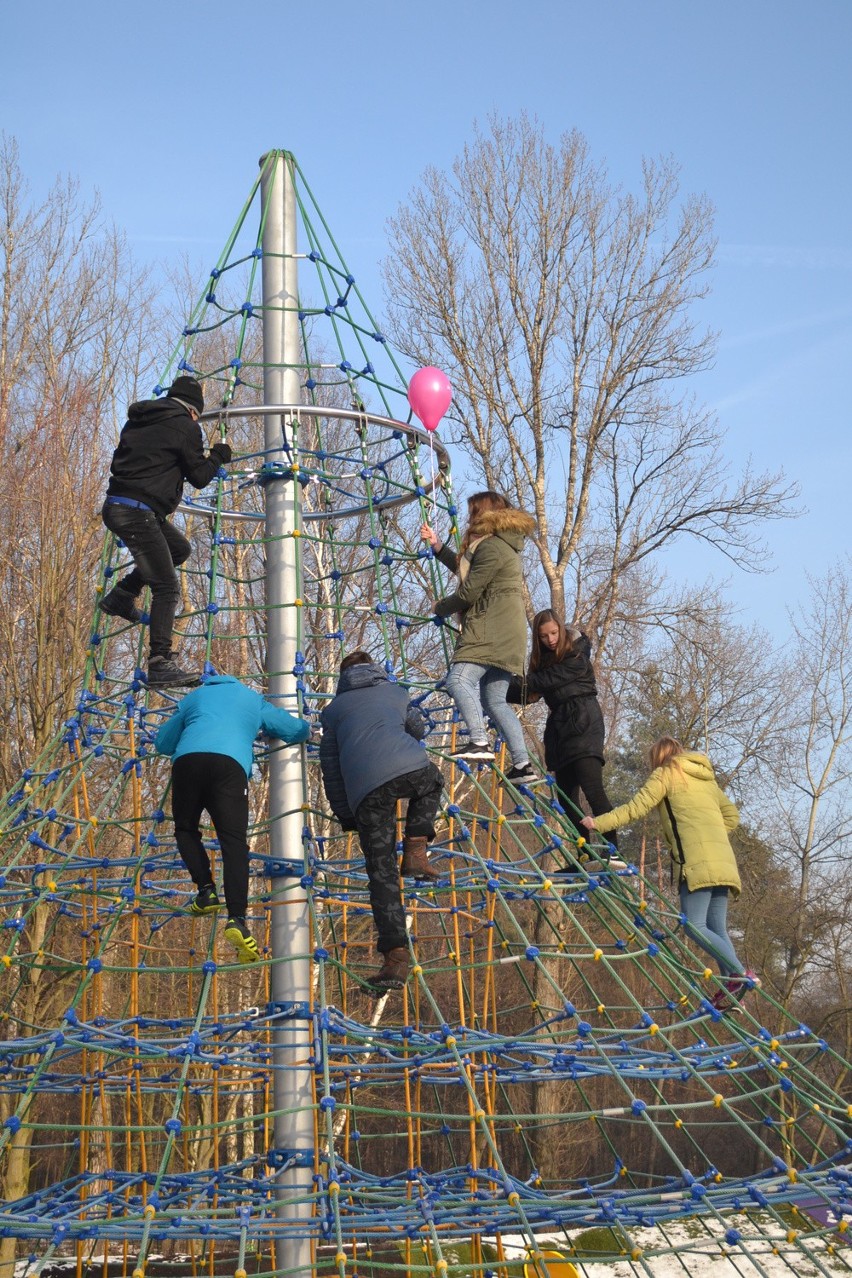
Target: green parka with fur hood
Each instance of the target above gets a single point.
(490, 595)
(696, 817)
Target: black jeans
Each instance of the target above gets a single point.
(586, 775)
(157, 548)
(376, 818)
(217, 783)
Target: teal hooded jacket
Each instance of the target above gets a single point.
(223, 716)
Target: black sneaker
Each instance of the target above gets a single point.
(120, 603)
(242, 940)
(472, 750)
(206, 902)
(163, 672)
(524, 775)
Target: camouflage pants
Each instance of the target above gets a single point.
(376, 818)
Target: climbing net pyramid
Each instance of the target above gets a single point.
(553, 1092)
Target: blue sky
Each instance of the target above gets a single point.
(165, 109)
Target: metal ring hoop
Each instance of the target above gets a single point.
(361, 417)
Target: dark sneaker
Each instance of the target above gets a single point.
(721, 1001)
(393, 973)
(163, 672)
(242, 940)
(739, 986)
(524, 775)
(729, 998)
(206, 902)
(595, 862)
(120, 603)
(472, 750)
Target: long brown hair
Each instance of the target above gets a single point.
(664, 753)
(565, 644)
(477, 504)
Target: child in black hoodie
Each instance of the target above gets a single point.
(160, 446)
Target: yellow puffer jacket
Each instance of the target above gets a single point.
(696, 817)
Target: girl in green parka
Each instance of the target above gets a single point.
(696, 817)
(493, 640)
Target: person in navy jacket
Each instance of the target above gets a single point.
(210, 738)
(371, 757)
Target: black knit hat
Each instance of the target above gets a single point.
(189, 390)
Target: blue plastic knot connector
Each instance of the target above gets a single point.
(173, 1126)
(638, 1107)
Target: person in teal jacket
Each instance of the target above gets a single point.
(210, 738)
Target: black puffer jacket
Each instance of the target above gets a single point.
(575, 726)
(160, 446)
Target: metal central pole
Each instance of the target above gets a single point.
(291, 967)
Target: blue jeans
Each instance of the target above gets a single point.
(706, 912)
(157, 549)
(474, 687)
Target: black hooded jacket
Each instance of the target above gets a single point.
(575, 726)
(160, 447)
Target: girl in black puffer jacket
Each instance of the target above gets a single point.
(561, 672)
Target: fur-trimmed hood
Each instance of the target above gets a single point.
(510, 524)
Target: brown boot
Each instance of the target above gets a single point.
(393, 973)
(415, 859)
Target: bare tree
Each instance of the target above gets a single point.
(562, 309)
(814, 830)
(75, 316)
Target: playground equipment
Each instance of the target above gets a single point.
(552, 1089)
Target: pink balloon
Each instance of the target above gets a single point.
(429, 394)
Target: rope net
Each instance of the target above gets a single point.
(552, 1088)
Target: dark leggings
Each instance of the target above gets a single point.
(586, 775)
(219, 784)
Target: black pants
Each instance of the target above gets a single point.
(586, 775)
(157, 549)
(376, 818)
(217, 783)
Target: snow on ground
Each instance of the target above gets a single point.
(696, 1250)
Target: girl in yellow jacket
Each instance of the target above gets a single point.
(696, 817)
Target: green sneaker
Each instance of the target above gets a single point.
(242, 940)
(206, 902)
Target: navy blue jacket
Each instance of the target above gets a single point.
(370, 735)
